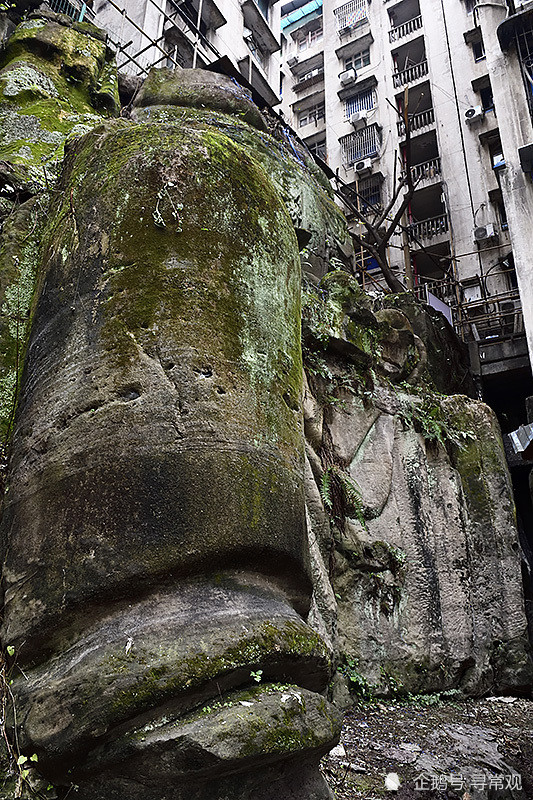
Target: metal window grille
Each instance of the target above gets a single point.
(351, 14)
(360, 144)
(370, 194)
(76, 10)
(363, 101)
(256, 51)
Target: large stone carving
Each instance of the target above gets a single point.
(157, 575)
(183, 568)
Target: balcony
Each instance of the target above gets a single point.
(309, 79)
(360, 144)
(350, 16)
(426, 171)
(417, 122)
(401, 31)
(410, 75)
(428, 228)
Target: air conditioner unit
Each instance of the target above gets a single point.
(363, 167)
(348, 76)
(484, 232)
(473, 114)
(292, 61)
(358, 119)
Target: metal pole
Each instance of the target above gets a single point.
(197, 42)
(132, 22)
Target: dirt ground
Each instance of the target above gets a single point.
(435, 750)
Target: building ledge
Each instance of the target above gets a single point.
(363, 85)
(359, 43)
(254, 20)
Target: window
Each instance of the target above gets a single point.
(478, 49)
(370, 194)
(496, 153)
(469, 6)
(524, 41)
(312, 114)
(502, 214)
(363, 101)
(309, 38)
(318, 148)
(487, 102)
(358, 61)
(263, 7)
(256, 51)
(508, 268)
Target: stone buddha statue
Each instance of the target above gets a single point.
(156, 574)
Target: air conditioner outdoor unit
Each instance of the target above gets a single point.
(473, 114)
(484, 232)
(358, 119)
(292, 61)
(363, 167)
(348, 76)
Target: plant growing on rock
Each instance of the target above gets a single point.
(337, 482)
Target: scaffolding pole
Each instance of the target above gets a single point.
(137, 27)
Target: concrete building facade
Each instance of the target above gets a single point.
(194, 33)
(352, 71)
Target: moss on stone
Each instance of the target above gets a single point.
(54, 80)
(19, 259)
(270, 643)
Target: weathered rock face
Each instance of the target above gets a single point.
(156, 555)
(423, 553)
(56, 80)
(302, 186)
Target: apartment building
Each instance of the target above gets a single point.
(461, 71)
(191, 33)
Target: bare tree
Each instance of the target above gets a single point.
(381, 224)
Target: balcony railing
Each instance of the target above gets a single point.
(360, 144)
(494, 316)
(312, 78)
(428, 228)
(426, 170)
(497, 316)
(410, 74)
(350, 15)
(405, 29)
(417, 121)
